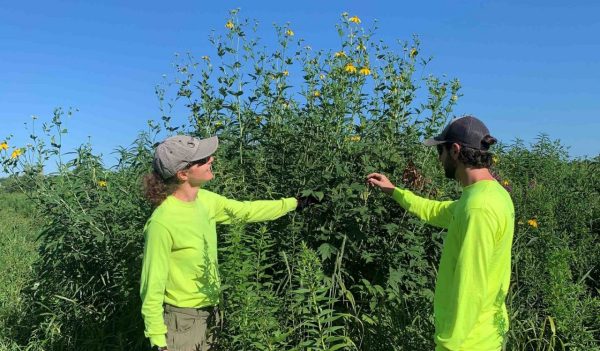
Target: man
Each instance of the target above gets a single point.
(474, 272)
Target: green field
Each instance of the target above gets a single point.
(355, 272)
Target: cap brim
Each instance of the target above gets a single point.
(206, 147)
(433, 141)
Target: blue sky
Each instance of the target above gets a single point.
(526, 67)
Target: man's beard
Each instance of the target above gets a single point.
(450, 170)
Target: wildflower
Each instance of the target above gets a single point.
(365, 71)
(413, 52)
(289, 33)
(316, 93)
(355, 138)
(4, 146)
(219, 124)
(361, 47)
(533, 223)
(229, 25)
(354, 19)
(322, 76)
(350, 68)
(102, 183)
(16, 153)
(505, 182)
(340, 54)
(206, 58)
(286, 73)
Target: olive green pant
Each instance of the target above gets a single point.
(190, 329)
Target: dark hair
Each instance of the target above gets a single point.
(156, 189)
(476, 158)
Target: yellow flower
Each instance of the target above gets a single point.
(316, 93)
(354, 19)
(355, 138)
(413, 52)
(286, 73)
(505, 182)
(4, 146)
(102, 183)
(289, 33)
(365, 71)
(340, 54)
(229, 25)
(350, 68)
(533, 223)
(16, 153)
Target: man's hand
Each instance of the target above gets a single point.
(381, 181)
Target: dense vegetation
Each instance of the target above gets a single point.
(354, 272)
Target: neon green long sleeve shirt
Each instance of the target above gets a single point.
(180, 265)
(474, 272)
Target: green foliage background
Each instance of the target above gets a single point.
(355, 272)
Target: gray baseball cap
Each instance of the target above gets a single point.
(467, 131)
(176, 152)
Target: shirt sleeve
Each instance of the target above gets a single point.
(251, 211)
(155, 271)
(470, 279)
(436, 213)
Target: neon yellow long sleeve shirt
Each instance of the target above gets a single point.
(474, 272)
(180, 265)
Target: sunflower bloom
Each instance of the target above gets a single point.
(289, 33)
(350, 68)
(354, 19)
(533, 223)
(365, 71)
(286, 73)
(102, 183)
(413, 52)
(229, 25)
(316, 93)
(340, 54)
(4, 146)
(16, 153)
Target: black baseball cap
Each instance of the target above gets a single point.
(467, 131)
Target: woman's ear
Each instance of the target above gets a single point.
(182, 175)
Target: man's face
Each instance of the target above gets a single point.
(447, 161)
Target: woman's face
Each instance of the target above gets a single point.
(200, 172)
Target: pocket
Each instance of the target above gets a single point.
(184, 322)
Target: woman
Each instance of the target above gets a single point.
(180, 277)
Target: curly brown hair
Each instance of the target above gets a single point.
(156, 189)
(476, 158)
